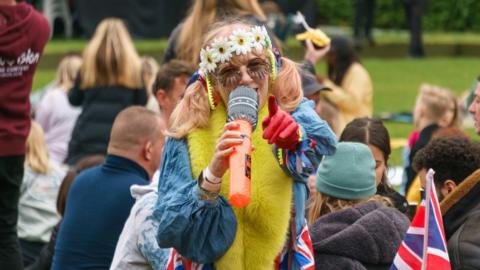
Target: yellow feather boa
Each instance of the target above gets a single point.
(263, 224)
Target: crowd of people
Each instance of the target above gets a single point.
(124, 163)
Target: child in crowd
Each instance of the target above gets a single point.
(350, 226)
(44, 260)
(433, 106)
(312, 90)
(38, 194)
(55, 114)
(374, 134)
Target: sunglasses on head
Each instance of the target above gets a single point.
(230, 75)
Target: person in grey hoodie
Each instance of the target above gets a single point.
(137, 247)
(351, 227)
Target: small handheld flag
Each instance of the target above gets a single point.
(424, 246)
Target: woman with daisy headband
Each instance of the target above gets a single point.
(194, 215)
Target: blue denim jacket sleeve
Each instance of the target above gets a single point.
(315, 128)
(317, 140)
(199, 230)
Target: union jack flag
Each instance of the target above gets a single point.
(302, 254)
(303, 250)
(424, 246)
(177, 262)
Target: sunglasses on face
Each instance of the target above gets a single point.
(230, 75)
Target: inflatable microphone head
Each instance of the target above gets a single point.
(243, 104)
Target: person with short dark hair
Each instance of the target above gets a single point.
(23, 35)
(170, 84)
(99, 200)
(456, 162)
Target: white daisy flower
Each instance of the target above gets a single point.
(241, 42)
(207, 61)
(222, 50)
(258, 39)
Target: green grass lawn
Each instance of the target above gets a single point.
(64, 46)
(396, 82)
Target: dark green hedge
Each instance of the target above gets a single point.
(440, 15)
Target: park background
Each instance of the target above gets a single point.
(451, 40)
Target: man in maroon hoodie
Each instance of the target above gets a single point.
(23, 35)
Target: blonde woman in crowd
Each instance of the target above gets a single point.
(55, 114)
(109, 80)
(38, 196)
(186, 39)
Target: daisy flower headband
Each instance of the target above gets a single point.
(241, 41)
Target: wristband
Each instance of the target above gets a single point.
(210, 177)
(207, 185)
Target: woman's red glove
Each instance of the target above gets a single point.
(279, 127)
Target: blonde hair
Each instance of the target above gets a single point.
(110, 58)
(193, 111)
(455, 121)
(321, 204)
(149, 68)
(67, 71)
(204, 13)
(435, 100)
(36, 156)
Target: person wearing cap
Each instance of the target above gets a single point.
(350, 226)
(312, 89)
(311, 86)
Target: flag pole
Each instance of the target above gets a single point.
(429, 182)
